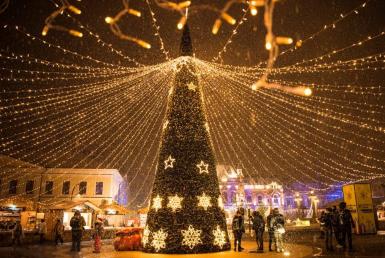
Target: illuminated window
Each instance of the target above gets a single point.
(66, 188)
(83, 187)
(249, 199)
(99, 188)
(12, 187)
(29, 187)
(275, 199)
(260, 199)
(48, 187)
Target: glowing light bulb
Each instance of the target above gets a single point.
(143, 44)
(284, 40)
(45, 30)
(184, 4)
(253, 10)
(298, 43)
(268, 45)
(75, 33)
(74, 9)
(286, 253)
(134, 12)
(217, 25)
(109, 20)
(228, 18)
(307, 92)
(181, 23)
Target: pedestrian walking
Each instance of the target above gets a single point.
(17, 233)
(322, 225)
(98, 232)
(58, 231)
(77, 224)
(42, 230)
(327, 221)
(259, 228)
(346, 224)
(277, 223)
(270, 230)
(238, 228)
(336, 227)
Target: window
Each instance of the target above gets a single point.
(83, 187)
(66, 187)
(249, 198)
(12, 186)
(275, 199)
(99, 188)
(48, 187)
(29, 187)
(260, 199)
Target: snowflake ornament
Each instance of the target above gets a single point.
(219, 237)
(203, 167)
(169, 162)
(159, 240)
(157, 202)
(175, 202)
(146, 235)
(204, 201)
(191, 237)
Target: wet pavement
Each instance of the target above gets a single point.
(307, 245)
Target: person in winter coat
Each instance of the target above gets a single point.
(270, 230)
(42, 231)
(259, 228)
(238, 228)
(98, 232)
(58, 231)
(17, 233)
(346, 224)
(327, 221)
(77, 224)
(277, 223)
(336, 228)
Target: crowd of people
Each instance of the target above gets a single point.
(275, 225)
(337, 222)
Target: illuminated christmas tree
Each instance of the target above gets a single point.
(186, 213)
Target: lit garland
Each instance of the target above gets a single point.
(115, 28)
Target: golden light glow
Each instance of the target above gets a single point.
(307, 91)
(109, 20)
(191, 237)
(184, 4)
(146, 235)
(75, 33)
(157, 203)
(268, 45)
(175, 202)
(228, 18)
(45, 30)
(142, 43)
(169, 162)
(181, 22)
(74, 9)
(253, 10)
(217, 25)
(204, 201)
(284, 40)
(134, 12)
(203, 167)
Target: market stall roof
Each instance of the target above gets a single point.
(116, 207)
(68, 205)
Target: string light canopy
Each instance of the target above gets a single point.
(315, 121)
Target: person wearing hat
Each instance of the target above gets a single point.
(77, 224)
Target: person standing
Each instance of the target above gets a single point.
(259, 228)
(270, 230)
(98, 232)
(238, 228)
(77, 224)
(327, 220)
(58, 230)
(336, 228)
(17, 233)
(42, 230)
(346, 224)
(277, 223)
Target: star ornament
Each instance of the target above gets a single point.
(204, 201)
(175, 202)
(191, 237)
(191, 86)
(219, 237)
(159, 240)
(203, 167)
(169, 162)
(157, 202)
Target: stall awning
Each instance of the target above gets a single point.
(69, 205)
(113, 207)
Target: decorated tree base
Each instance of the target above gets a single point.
(186, 212)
